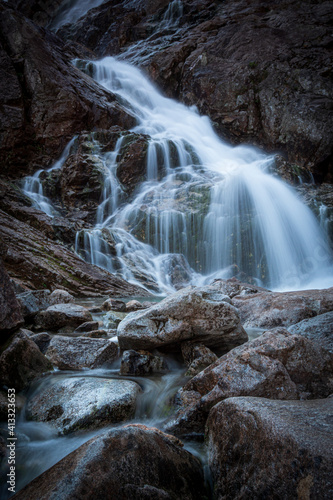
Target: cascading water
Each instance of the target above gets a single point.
(71, 10)
(33, 187)
(211, 207)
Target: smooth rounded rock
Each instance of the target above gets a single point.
(75, 353)
(135, 462)
(197, 314)
(84, 403)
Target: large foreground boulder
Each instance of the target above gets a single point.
(68, 353)
(21, 361)
(135, 462)
(267, 309)
(84, 403)
(277, 365)
(319, 329)
(197, 314)
(271, 449)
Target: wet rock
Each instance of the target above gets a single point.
(268, 309)
(113, 305)
(273, 449)
(319, 197)
(142, 462)
(319, 329)
(34, 301)
(10, 310)
(197, 357)
(248, 69)
(132, 165)
(200, 314)
(88, 326)
(42, 341)
(82, 178)
(84, 403)
(68, 353)
(44, 104)
(39, 262)
(60, 297)
(141, 363)
(21, 362)
(62, 315)
(277, 365)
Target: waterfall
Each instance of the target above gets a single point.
(204, 210)
(33, 187)
(71, 10)
(207, 209)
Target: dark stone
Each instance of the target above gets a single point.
(10, 310)
(276, 365)
(21, 362)
(268, 310)
(271, 449)
(319, 329)
(141, 363)
(132, 462)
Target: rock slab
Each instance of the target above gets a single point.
(271, 309)
(271, 449)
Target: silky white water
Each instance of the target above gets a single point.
(206, 210)
(33, 187)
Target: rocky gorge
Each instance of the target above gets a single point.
(166, 297)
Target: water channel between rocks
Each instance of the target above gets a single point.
(39, 446)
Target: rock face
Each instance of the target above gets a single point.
(277, 365)
(84, 403)
(132, 462)
(319, 329)
(196, 314)
(262, 73)
(34, 301)
(68, 353)
(274, 449)
(36, 259)
(10, 310)
(43, 104)
(21, 362)
(141, 363)
(268, 309)
(60, 315)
